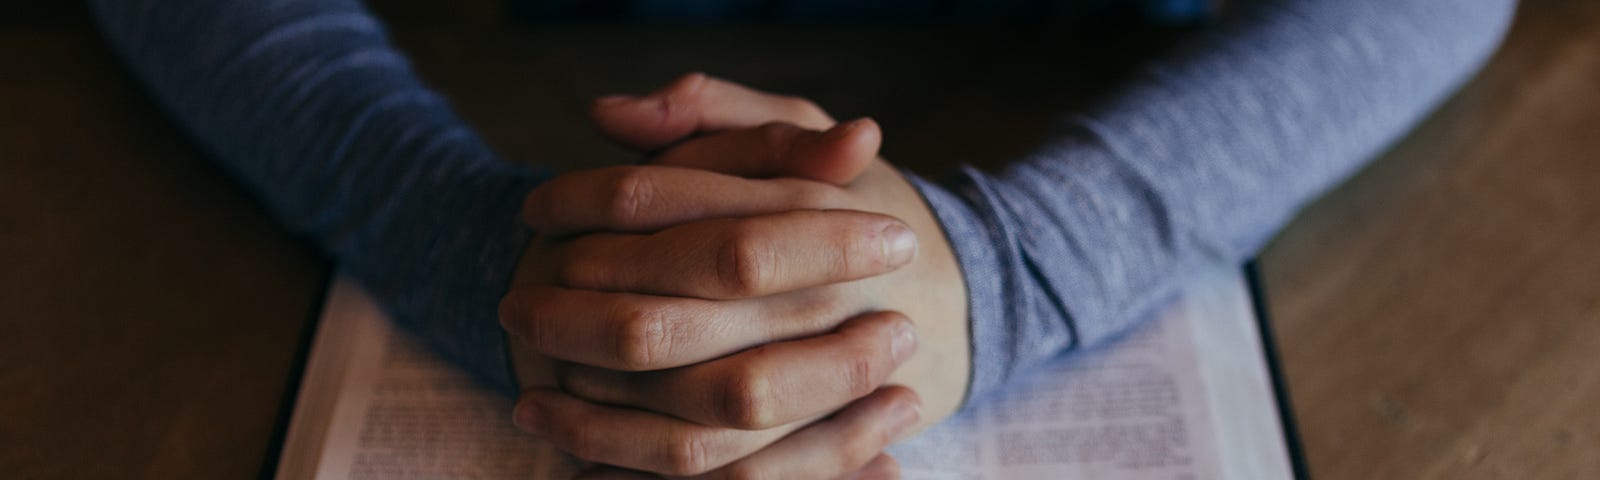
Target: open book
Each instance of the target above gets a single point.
(1186, 396)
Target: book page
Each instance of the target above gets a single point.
(399, 412)
(1183, 397)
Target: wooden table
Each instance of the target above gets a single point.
(1439, 315)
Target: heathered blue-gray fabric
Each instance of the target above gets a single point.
(1196, 162)
(308, 104)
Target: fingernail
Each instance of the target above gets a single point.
(899, 244)
(528, 417)
(904, 341)
(659, 107)
(845, 128)
(905, 415)
(654, 105)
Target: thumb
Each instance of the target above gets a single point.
(778, 149)
(844, 151)
(699, 104)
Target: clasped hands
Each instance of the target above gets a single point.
(765, 298)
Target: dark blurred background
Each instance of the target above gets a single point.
(1438, 314)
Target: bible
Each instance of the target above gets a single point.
(1192, 393)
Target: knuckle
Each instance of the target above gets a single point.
(642, 337)
(861, 248)
(746, 400)
(534, 331)
(855, 253)
(859, 374)
(524, 318)
(744, 264)
(779, 137)
(687, 454)
(630, 190)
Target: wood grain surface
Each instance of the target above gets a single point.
(1439, 314)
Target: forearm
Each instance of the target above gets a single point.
(1197, 162)
(307, 103)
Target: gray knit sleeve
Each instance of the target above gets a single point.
(307, 103)
(1196, 162)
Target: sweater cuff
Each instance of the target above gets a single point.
(445, 284)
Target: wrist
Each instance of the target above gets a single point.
(940, 370)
